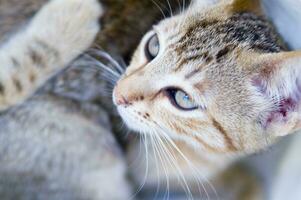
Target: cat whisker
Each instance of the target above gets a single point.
(190, 164)
(164, 163)
(170, 8)
(185, 13)
(132, 164)
(160, 9)
(203, 179)
(109, 58)
(144, 141)
(194, 175)
(157, 153)
(107, 76)
(184, 5)
(167, 157)
(173, 163)
(100, 65)
(106, 93)
(180, 6)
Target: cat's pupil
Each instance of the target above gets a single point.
(180, 99)
(186, 98)
(152, 47)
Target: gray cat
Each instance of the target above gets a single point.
(92, 166)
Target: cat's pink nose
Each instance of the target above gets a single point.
(119, 99)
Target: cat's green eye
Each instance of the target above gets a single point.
(152, 47)
(180, 99)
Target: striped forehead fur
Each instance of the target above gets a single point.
(211, 40)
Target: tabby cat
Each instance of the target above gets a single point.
(208, 86)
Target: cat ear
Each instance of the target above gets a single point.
(278, 79)
(237, 6)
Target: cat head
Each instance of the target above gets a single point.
(216, 77)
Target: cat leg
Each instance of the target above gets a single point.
(58, 33)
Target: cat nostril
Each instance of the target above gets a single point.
(120, 99)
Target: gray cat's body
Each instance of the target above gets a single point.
(57, 149)
(53, 147)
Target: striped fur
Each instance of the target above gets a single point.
(230, 60)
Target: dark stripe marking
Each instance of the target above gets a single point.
(186, 60)
(228, 140)
(49, 50)
(32, 77)
(36, 58)
(191, 74)
(207, 146)
(222, 53)
(18, 85)
(2, 89)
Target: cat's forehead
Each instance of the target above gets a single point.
(240, 29)
(190, 18)
(200, 43)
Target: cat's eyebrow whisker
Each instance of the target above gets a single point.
(109, 58)
(180, 6)
(182, 22)
(160, 9)
(184, 5)
(170, 8)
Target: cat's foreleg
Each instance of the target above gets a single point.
(58, 33)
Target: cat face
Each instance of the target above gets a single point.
(214, 77)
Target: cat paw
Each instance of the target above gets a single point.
(70, 24)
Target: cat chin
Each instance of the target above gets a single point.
(133, 120)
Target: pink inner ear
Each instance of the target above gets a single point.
(281, 114)
(283, 106)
